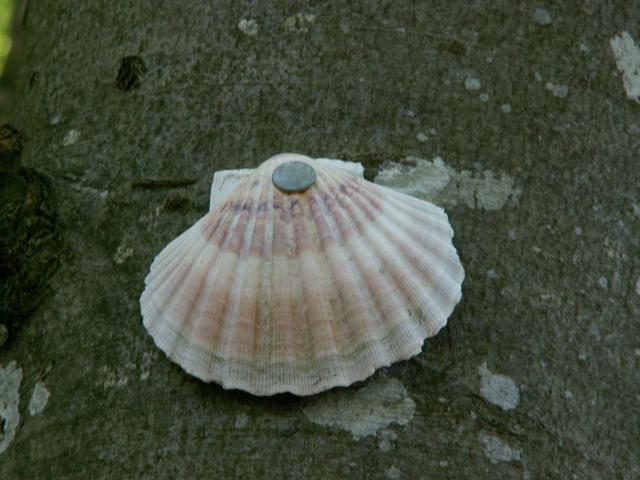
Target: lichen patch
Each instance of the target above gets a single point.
(393, 473)
(249, 27)
(124, 251)
(110, 377)
(436, 182)
(627, 55)
(387, 439)
(39, 398)
(71, 137)
(300, 22)
(498, 389)
(542, 16)
(472, 84)
(497, 450)
(560, 91)
(241, 421)
(365, 411)
(10, 379)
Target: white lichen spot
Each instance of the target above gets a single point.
(498, 389)
(492, 274)
(145, 366)
(111, 379)
(498, 450)
(541, 16)
(418, 177)
(537, 76)
(365, 411)
(484, 97)
(438, 183)
(55, 119)
(568, 395)
(249, 27)
(10, 379)
(443, 464)
(637, 352)
(560, 91)
(578, 231)
(393, 473)
(385, 445)
(627, 55)
(472, 84)
(603, 282)
(39, 398)
(637, 287)
(387, 437)
(300, 22)
(71, 137)
(584, 48)
(422, 137)
(242, 420)
(345, 26)
(123, 252)
(506, 108)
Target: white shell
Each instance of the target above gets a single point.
(272, 292)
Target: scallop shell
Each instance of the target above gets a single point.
(272, 292)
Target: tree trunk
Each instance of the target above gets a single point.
(536, 375)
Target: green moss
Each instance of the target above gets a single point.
(6, 11)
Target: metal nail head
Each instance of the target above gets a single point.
(293, 177)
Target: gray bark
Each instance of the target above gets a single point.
(536, 375)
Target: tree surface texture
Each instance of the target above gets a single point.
(126, 109)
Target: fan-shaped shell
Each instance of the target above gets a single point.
(272, 292)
